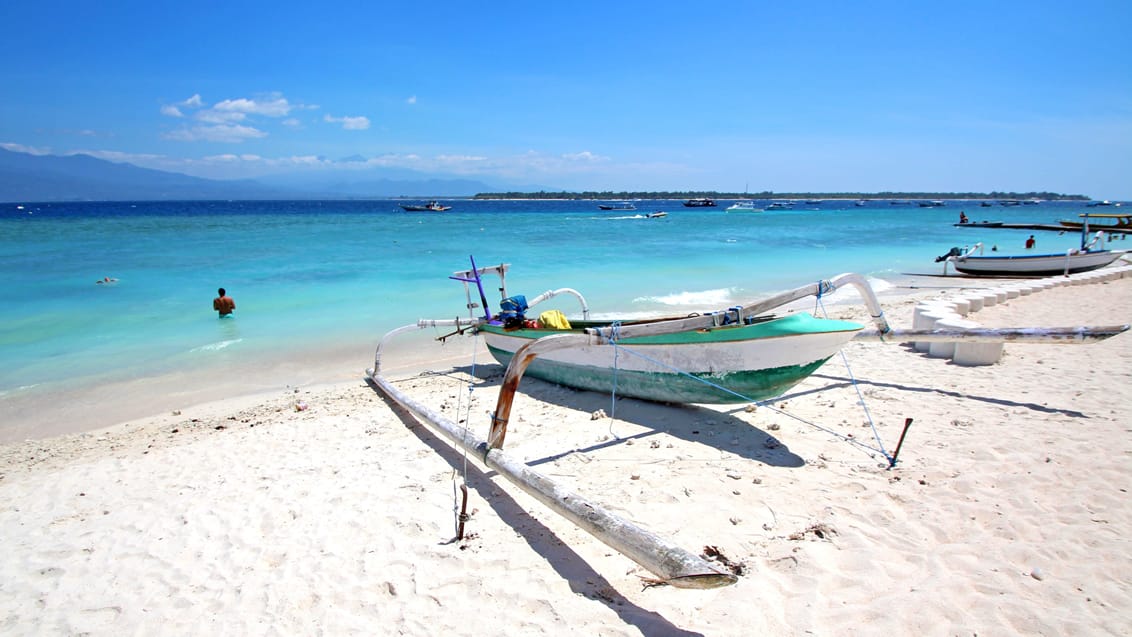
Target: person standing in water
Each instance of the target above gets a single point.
(223, 304)
(1030, 242)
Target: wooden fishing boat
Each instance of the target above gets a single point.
(1033, 265)
(731, 362)
(1117, 222)
(736, 351)
(432, 206)
(737, 355)
(1091, 256)
(617, 205)
(700, 202)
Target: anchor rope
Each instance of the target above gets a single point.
(818, 304)
(766, 403)
(460, 476)
(614, 337)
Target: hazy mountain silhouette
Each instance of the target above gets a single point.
(27, 177)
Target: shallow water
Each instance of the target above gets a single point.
(313, 277)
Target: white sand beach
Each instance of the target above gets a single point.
(326, 509)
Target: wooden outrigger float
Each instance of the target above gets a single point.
(670, 563)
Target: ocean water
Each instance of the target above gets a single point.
(318, 276)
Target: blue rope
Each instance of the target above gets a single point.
(613, 338)
(856, 387)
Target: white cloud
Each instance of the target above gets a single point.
(274, 106)
(291, 122)
(459, 159)
(349, 123)
(220, 117)
(412, 99)
(193, 102)
(171, 111)
(584, 156)
(230, 133)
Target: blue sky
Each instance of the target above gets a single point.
(802, 96)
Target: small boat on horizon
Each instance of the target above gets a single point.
(617, 205)
(780, 205)
(743, 206)
(700, 202)
(432, 206)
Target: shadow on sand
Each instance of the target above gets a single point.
(690, 423)
(568, 564)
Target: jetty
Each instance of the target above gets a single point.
(1048, 227)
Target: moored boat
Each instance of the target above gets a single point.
(726, 363)
(432, 206)
(700, 202)
(743, 206)
(1118, 221)
(617, 205)
(1091, 256)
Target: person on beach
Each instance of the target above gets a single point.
(223, 303)
(1030, 242)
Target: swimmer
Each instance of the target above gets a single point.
(105, 280)
(223, 304)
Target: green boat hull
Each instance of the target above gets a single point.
(707, 388)
(720, 365)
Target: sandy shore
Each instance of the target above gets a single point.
(325, 509)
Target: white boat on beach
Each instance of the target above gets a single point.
(1089, 257)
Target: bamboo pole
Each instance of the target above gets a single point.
(1046, 335)
(672, 564)
(754, 309)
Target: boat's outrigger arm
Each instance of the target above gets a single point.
(741, 314)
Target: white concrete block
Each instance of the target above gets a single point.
(947, 350)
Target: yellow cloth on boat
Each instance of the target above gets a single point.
(554, 319)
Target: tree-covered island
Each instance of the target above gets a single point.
(766, 194)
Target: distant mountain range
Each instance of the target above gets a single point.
(27, 177)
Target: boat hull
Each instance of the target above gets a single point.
(729, 364)
(1036, 265)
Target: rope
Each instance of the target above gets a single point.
(853, 381)
(613, 338)
(767, 403)
(459, 486)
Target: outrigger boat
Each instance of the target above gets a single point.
(432, 206)
(1121, 222)
(735, 355)
(1091, 256)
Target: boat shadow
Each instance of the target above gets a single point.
(691, 423)
(844, 381)
(569, 565)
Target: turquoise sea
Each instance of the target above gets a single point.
(315, 278)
